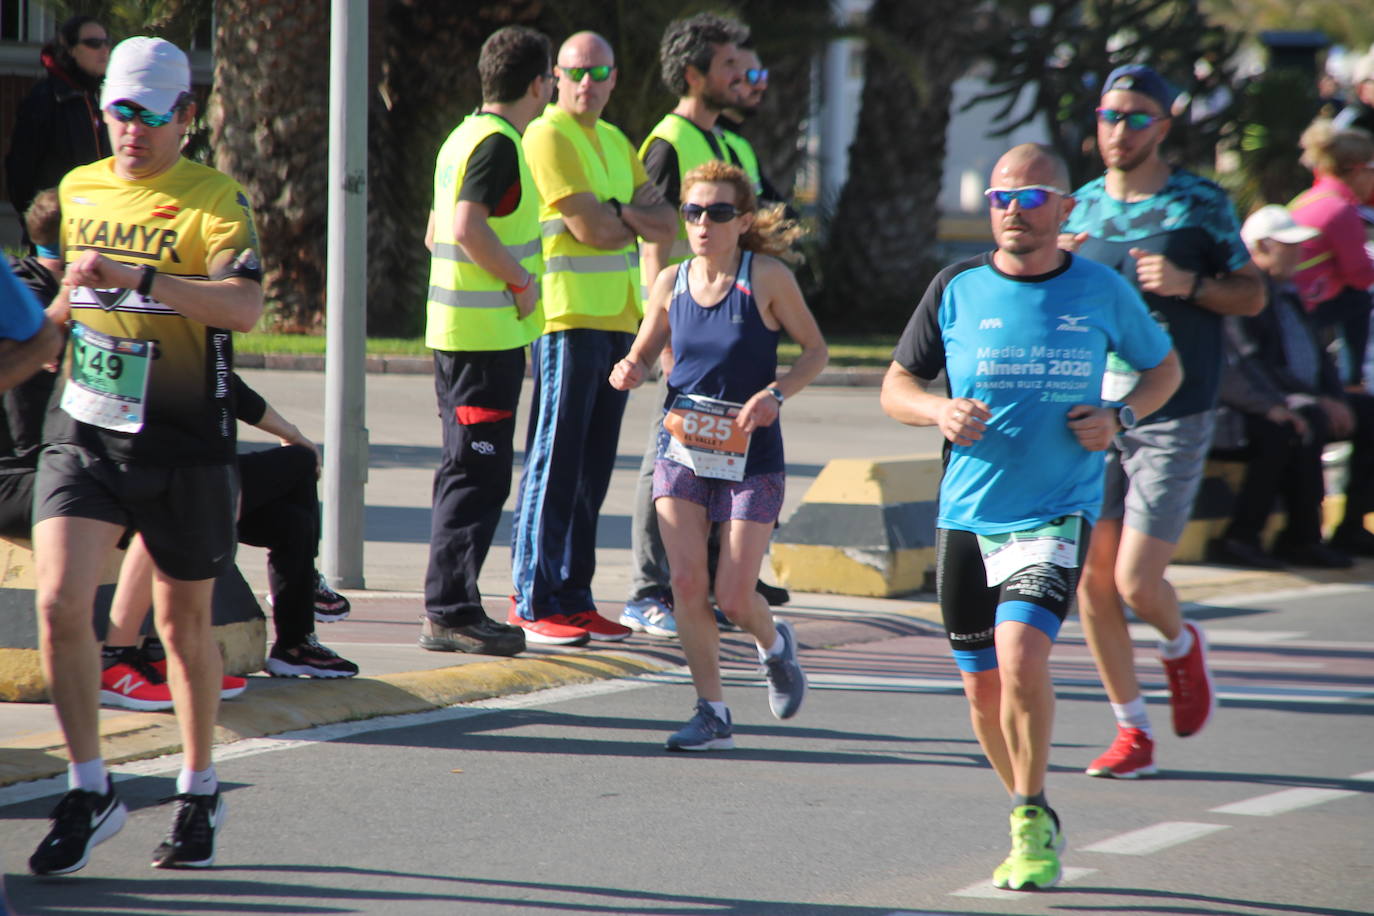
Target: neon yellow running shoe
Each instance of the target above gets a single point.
(1035, 843)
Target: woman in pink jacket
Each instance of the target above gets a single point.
(1336, 272)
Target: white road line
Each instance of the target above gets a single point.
(986, 890)
(1146, 840)
(1282, 802)
(1364, 777)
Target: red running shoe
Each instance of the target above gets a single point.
(1190, 687)
(132, 683)
(231, 686)
(554, 630)
(1131, 755)
(598, 627)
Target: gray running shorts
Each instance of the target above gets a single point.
(1153, 473)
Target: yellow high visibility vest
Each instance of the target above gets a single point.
(580, 279)
(469, 308)
(748, 160)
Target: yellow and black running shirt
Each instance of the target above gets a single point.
(190, 222)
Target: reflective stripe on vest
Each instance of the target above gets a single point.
(581, 279)
(470, 309)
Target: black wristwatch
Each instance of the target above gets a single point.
(776, 392)
(145, 283)
(616, 205)
(1125, 415)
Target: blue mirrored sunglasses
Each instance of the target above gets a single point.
(754, 76)
(1135, 120)
(716, 213)
(126, 113)
(1029, 197)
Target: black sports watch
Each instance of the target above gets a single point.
(617, 207)
(776, 392)
(1125, 415)
(145, 283)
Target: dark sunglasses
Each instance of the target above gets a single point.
(1028, 197)
(756, 76)
(126, 113)
(95, 44)
(1135, 120)
(599, 74)
(716, 213)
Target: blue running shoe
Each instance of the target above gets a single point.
(786, 680)
(705, 732)
(650, 615)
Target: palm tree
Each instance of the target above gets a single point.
(883, 228)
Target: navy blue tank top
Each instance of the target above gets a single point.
(725, 351)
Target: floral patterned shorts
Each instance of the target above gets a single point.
(756, 498)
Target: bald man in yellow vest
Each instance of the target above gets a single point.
(595, 203)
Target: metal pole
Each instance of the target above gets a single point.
(345, 435)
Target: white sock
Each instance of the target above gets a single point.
(774, 650)
(1133, 715)
(197, 782)
(1179, 646)
(88, 777)
(720, 709)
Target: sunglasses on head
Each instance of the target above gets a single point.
(598, 74)
(95, 44)
(125, 113)
(716, 213)
(1135, 120)
(1029, 197)
(754, 76)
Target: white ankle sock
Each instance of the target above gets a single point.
(89, 776)
(1179, 646)
(720, 709)
(774, 650)
(198, 782)
(1133, 715)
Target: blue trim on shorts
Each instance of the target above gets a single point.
(1030, 614)
(975, 660)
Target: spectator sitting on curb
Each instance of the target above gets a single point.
(1284, 402)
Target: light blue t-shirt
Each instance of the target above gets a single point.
(1030, 348)
(20, 314)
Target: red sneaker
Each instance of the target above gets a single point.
(229, 687)
(598, 627)
(554, 630)
(1190, 687)
(1131, 755)
(133, 684)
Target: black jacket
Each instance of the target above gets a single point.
(58, 127)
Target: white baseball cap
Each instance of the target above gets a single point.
(151, 72)
(1275, 222)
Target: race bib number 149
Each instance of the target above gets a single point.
(109, 380)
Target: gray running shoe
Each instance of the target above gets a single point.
(705, 732)
(485, 637)
(786, 680)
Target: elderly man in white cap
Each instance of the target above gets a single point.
(162, 266)
(1286, 402)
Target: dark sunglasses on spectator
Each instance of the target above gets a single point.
(95, 44)
(716, 213)
(125, 113)
(599, 74)
(1029, 197)
(1135, 120)
(756, 76)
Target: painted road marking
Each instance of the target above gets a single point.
(1282, 802)
(1148, 840)
(986, 890)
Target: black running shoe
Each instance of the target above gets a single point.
(80, 821)
(308, 659)
(191, 841)
(330, 606)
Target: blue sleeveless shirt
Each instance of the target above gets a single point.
(725, 351)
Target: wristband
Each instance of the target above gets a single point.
(529, 278)
(145, 283)
(615, 205)
(1197, 285)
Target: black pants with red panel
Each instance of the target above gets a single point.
(477, 394)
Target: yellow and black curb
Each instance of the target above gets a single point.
(271, 707)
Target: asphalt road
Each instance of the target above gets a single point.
(873, 801)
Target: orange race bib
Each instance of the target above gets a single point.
(704, 436)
